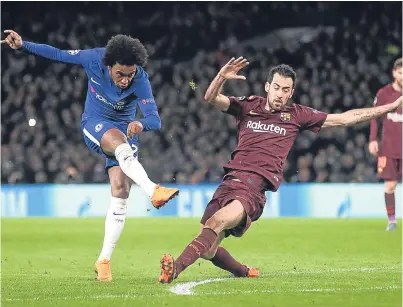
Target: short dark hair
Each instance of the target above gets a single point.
(283, 70)
(125, 50)
(397, 64)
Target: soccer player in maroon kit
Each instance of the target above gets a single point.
(390, 153)
(267, 128)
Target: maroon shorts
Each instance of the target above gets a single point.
(390, 168)
(252, 200)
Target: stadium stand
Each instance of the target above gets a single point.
(340, 66)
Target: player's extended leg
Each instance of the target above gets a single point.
(114, 143)
(390, 187)
(222, 259)
(227, 217)
(114, 221)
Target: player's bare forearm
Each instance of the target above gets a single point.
(213, 94)
(357, 116)
(361, 115)
(214, 88)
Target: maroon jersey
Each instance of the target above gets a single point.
(265, 138)
(391, 143)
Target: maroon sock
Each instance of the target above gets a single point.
(225, 261)
(390, 206)
(195, 249)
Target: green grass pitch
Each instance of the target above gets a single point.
(304, 262)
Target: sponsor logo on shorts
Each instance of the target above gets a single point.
(260, 127)
(98, 127)
(73, 52)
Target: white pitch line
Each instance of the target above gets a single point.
(187, 288)
(394, 287)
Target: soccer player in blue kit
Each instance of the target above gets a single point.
(117, 84)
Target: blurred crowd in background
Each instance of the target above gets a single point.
(342, 53)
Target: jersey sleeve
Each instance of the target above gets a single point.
(311, 119)
(81, 57)
(237, 106)
(151, 119)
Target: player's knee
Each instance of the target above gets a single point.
(209, 254)
(227, 217)
(111, 140)
(217, 223)
(390, 187)
(120, 188)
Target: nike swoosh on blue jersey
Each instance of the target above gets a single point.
(95, 81)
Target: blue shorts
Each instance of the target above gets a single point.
(93, 129)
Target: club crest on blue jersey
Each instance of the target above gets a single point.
(285, 117)
(144, 101)
(98, 127)
(73, 52)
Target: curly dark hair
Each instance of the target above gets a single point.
(125, 50)
(283, 70)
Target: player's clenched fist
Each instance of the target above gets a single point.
(13, 39)
(231, 69)
(134, 128)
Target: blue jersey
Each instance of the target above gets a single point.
(106, 101)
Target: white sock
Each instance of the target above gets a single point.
(133, 169)
(114, 223)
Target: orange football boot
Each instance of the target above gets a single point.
(103, 270)
(167, 269)
(162, 195)
(253, 273)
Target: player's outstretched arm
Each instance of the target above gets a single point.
(228, 71)
(14, 41)
(357, 116)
